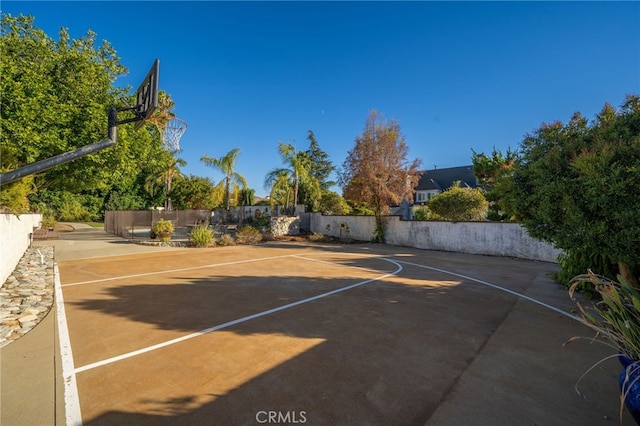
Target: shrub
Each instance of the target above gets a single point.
(48, 221)
(460, 204)
(332, 203)
(421, 213)
(248, 235)
(202, 236)
(262, 221)
(226, 240)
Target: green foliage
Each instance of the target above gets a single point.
(247, 197)
(459, 204)
(161, 226)
(494, 175)
(202, 236)
(14, 197)
(117, 200)
(574, 262)
(67, 206)
(320, 168)
(48, 221)
(378, 234)
(248, 235)
(360, 209)
(232, 181)
(54, 97)
(193, 193)
(577, 186)
(262, 221)
(421, 213)
(332, 203)
(285, 182)
(616, 317)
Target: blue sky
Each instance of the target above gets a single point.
(455, 75)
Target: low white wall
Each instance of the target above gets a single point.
(15, 233)
(356, 227)
(490, 238)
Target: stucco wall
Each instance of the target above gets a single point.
(490, 238)
(15, 234)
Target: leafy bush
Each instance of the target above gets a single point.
(14, 196)
(460, 204)
(421, 213)
(226, 240)
(262, 221)
(48, 221)
(202, 236)
(248, 235)
(576, 262)
(123, 201)
(332, 203)
(67, 206)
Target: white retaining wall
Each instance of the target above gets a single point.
(489, 238)
(15, 233)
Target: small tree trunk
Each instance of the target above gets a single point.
(629, 274)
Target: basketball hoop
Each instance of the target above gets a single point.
(171, 132)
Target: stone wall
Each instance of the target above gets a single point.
(490, 238)
(16, 233)
(285, 225)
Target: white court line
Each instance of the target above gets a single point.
(239, 320)
(71, 400)
(169, 271)
(495, 286)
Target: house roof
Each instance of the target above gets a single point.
(441, 179)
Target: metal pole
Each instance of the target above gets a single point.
(49, 163)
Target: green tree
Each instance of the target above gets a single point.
(247, 197)
(54, 98)
(332, 203)
(377, 171)
(281, 192)
(193, 192)
(320, 167)
(459, 204)
(232, 180)
(295, 174)
(577, 186)
(494, 175)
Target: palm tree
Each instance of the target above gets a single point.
(297, 171)
(165, 177)
(226, 164)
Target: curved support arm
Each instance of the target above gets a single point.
(49, 163)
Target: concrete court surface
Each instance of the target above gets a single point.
(319, 334)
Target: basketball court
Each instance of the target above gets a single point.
(317, 334)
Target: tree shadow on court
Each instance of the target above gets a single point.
(386, 352)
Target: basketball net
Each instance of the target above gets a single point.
(170, 127)
(171, 130)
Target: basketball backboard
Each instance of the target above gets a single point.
(147, 95)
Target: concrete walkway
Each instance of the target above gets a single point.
(492, 390)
